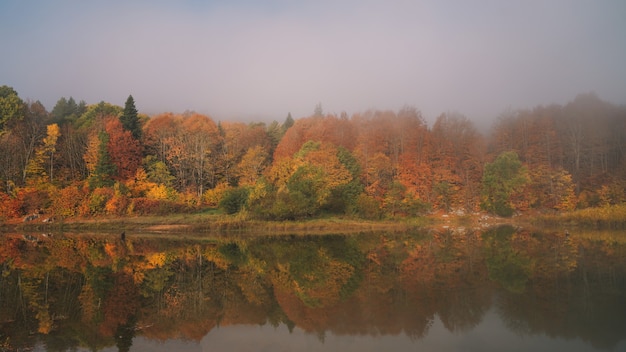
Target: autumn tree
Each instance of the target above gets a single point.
(377, 174)
(588, 128)
(329, 172)
(251, 165)
(188, 146)
(410, 152)
(67, 201)
(50, 146)
(11, 106)
(394, 200)
(10, 172)
(302, 185)
(328, 129)
(502, 179)
(456, 161)
(236, 140)
(95, 115)
(29, 130)
(200, 137)
(343, 198)
(372, 151)
(123, 149)
(533, 136)
(580, 139)
(161, 137)
(44, 154)
(561, 194)
(157, 171)
(71, 147)
(294, 138)
(394, 147)
(20, 134)
(102, 169)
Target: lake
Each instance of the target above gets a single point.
(502, 289)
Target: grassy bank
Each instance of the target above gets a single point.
(218, 223)
(609, 217)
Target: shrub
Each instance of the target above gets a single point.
(503, 182)
(234, 200)
(117, 205)
(145, 206)
(282, 205)
(212, 197)
(9, 206)
(189, 199)
(97, 200)
(67, 202)
(161, 192)
(28, 200)
(368, 207)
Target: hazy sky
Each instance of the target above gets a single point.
(259, 60)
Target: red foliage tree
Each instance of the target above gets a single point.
(330, 129)
(124, 150)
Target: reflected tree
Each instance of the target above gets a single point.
(77, 292)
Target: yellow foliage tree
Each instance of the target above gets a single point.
(213, 196)
(280, 171)
(251, 165)
(563, 190)
(158, 192)
(68, 201)
(612, 193)
(156, 260)
(91, 154)
(139, 185)
(49, 146)
(36, 170)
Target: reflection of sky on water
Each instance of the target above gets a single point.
(141, 344)
(489, 335)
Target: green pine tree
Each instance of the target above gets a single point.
(288, 123)
(318, 110)
(102, 176)
(130, 118)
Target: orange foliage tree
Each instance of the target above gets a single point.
(124, 150)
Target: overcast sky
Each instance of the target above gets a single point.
(259, 60)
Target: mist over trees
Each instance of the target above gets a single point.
(103, 159)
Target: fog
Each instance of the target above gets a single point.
(247, 60)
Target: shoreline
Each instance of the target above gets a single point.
(207, 224)
(609, 218)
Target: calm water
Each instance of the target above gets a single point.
(499, 290)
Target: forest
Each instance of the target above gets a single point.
(92, 160)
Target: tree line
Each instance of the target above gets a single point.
(101, 159)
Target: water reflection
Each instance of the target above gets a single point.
(501, 288)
